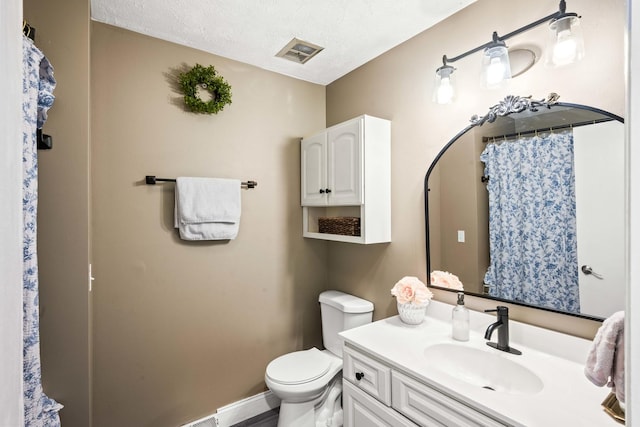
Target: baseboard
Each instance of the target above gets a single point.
(239, 411)
(246, 408)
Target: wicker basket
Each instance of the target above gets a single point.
(343, 225)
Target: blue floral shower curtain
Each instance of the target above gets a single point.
(532, 221)
(37, 88)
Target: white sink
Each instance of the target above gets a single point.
(483, 368)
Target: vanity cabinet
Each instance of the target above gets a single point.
(366, 392)
(391, 369)
(346, 172)
(376, 394)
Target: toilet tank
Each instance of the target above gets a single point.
(340, 312)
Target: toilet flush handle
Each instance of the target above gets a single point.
(359, 375)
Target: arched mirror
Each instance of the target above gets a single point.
(526, 205)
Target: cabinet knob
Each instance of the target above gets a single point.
(328, 190)
(359, 375)
(322, 191)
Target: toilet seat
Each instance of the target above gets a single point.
(299, 367)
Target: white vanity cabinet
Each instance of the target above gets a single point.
(390, 370)
(366, 393)
(346, 172)
(376, 394)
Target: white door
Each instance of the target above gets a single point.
(600, 216)
(345, 158)
(314, 170)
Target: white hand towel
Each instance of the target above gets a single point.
(605, 361)
(207, 208)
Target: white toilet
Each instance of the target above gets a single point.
(309, 382)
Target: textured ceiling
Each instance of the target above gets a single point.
(352, 32)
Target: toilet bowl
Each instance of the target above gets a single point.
(303, 380)
(309, 382)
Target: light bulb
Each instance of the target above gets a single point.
(565, 41)
(566, 48)
(444, 93)
(495, 72)
(495, 65)
(444, 85)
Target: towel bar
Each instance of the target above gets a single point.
(151, 180)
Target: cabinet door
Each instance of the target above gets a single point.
(344, 170)
(361, 410)
(429, 407)
(314, 170)
(367, 374)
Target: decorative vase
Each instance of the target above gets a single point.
(411, 313)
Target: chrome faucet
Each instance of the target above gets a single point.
(502, 325)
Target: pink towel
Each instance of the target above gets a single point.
(605, 362)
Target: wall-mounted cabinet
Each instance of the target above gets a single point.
(346, 172)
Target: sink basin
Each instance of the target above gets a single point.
(487, 369)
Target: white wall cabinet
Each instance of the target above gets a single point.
(332, 166)
(346, 172)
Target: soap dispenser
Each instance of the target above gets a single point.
(460, 320)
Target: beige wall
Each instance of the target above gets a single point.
(62, 33)
(398, 86)
(182, 328)
(460, 202)
(461, 208)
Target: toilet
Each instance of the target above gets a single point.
(309, 382)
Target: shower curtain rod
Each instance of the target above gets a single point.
(28, 30)
(549, 129)
(151, 180)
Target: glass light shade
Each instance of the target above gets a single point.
(565, 45)
(444, 89)
(495, 66)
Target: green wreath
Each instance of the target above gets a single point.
(206, 78)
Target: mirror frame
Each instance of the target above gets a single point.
(510, 105)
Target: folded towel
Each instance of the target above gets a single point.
(605, 361)
(207, 208)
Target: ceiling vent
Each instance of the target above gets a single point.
(299, 51)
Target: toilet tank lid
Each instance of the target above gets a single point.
(345, 302)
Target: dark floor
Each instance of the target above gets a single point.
(267, 419)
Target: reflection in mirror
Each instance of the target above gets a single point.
(526, 205)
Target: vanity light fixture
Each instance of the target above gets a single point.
(445, 85)
(495, 64)
(565, 46)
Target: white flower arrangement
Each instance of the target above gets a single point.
(410, 289)
(444, 279)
